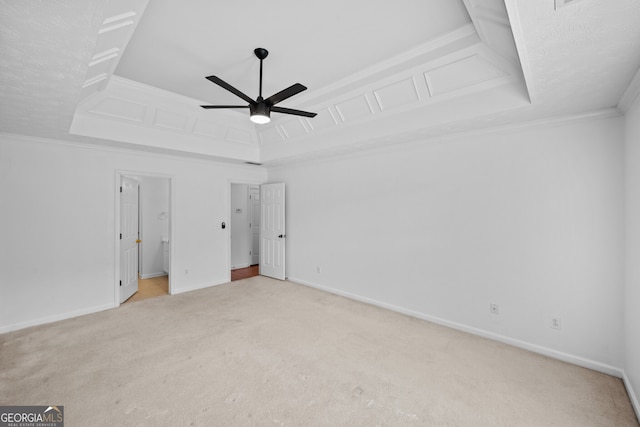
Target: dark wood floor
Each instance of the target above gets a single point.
(244, 273)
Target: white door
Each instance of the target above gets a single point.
(254, 223)
(128, 238)
(272, 228)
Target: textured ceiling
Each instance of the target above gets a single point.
(45, 48)
(582, 56)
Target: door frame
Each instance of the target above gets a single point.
(119, 173)
(250, 204)
(228, 219)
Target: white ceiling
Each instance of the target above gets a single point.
(177, 44)
(44, 51)
(131, 73)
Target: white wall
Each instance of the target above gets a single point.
(240, 231)
(632, 290)
(529, 219)
(154, 224)
(57, 222)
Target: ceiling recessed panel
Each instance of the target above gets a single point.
(95, 80)
(121, 109)
(324, 120)
(208, 129)
(121, 17)
(460, 74)
(397, 94)
(294, 128)
(239, 135)
(170, 120)
(563, 3)
(354, 108)
(270, 136)
(108, 40)
(103, 68)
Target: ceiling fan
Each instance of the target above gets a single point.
(261, 108)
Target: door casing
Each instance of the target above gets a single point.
(228, 219)
(116, 231)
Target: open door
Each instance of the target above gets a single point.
(254, 224)
(272, 231)
(129, 188)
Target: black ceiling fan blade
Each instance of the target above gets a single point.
(286, 93)
(292, 111)
(209, 107)
(230, 88)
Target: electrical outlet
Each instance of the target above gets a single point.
(494, 309)
(555, 323)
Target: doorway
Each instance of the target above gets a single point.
(257, 228)
(245, 273)
(244, 230)
(150, 267)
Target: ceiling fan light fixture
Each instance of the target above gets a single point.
(260, 113)
(260, 109)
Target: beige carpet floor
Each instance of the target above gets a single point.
(268, 353)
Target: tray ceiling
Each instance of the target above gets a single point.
(131, 73)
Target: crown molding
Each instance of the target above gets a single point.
(130, 149)
(415, 138)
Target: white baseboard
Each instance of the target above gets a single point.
(632, 394)
(196, 287)
(235, 267)
(149, 276)
(54, 318)
(68, 315)
(565, 357)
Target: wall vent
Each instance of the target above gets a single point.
(563, 3)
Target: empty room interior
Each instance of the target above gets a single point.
(442, 196)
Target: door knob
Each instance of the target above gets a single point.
(138, 241)
(281, 236)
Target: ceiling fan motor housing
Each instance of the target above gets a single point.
(260, 112)
(261, 53)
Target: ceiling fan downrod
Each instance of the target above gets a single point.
(261, 53)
